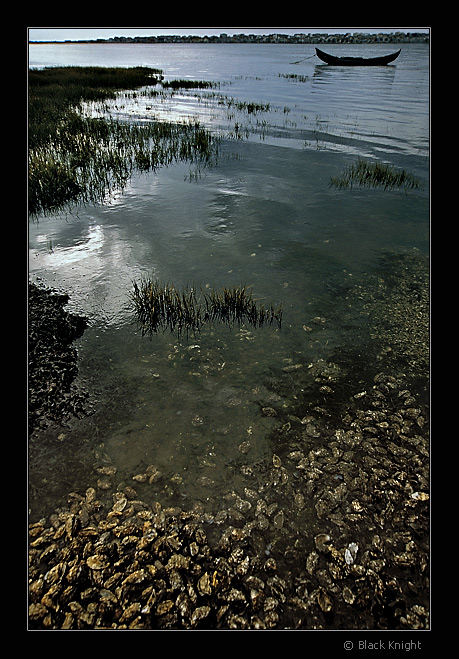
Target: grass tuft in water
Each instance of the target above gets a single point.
(159, 307)
(374, 175)
(188, 84)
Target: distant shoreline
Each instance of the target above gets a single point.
(348, 38)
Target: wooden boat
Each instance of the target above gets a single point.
(357, 61)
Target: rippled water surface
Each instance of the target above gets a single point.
(264, 215)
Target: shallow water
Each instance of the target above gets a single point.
(263, 215)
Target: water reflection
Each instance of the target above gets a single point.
(84, 248)
(326, 74)
(89, 260)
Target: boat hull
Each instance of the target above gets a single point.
(356, 61)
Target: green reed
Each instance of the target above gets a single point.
(77, 158)
(159, 307)
(367, 174)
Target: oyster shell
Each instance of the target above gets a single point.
(97, 562)
(199, 614)
(324, 601)
(350, 553)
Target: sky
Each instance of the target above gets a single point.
(79, 33)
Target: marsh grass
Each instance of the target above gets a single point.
(79, 158)
(188, 84)
(159, 307)
(247, 106)
(294, 76)
(374, 175)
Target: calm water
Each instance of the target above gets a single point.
(265, 216)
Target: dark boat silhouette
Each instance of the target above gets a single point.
(357, 61)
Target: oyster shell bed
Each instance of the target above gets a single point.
(330, 532)
(325, 535)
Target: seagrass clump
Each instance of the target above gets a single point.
(375, 175)
(159, 307)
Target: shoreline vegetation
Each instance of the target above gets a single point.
(300, 38)
(77, 158)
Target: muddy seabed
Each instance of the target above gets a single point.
(330, 532)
